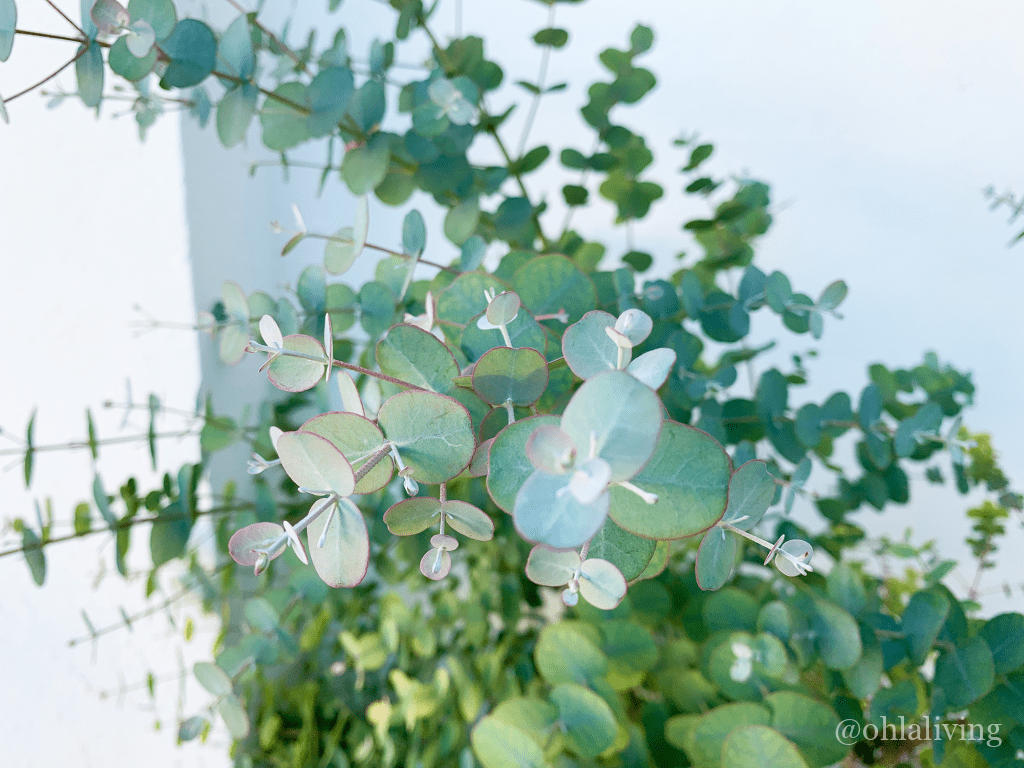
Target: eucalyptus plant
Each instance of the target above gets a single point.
(533, 425)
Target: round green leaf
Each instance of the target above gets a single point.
(535, 717)
(357, 438)
(809, 724)
(235, 49)
(629, 553)
(837, 636)
(757, 746)
(864, 677)
(343, 559)
(192, 50)
(508, 466)
(236, 305)
(413, 355)
(433, 434)
(464, 298)
(716, 558)
(846, 588)
(126, 65)
(341, 251)
(313, 463)
(923, 618)
(565, 654)
(601, 584)
(703, 742)
(551, 450)
(242, 542)
(460, 222)
(235, 717)
(377, 308)
(468, 520)
(364, 167)
(832, 296)
(284, 126)
(297, 374)
(233, 342)
(329, 94)
(523, 331)
(505, 373)
(590, 726)
(550, 568)
(545, 512)
(751, 492)
(966, 673)
(653, 368)
(503, 308)
(690, 474)
(160, 15)
(234, 113)
(499, 745)
(588, 349)
(8, 23)
(624, 415)
(1005, 636)
(548, 284)
(412, 516)
(213, 678)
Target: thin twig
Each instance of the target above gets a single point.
(541, 76)
(48, 36)
(67, 19)
(48, 78)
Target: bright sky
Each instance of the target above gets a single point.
(876, 123)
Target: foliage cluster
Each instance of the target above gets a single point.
(580, 424)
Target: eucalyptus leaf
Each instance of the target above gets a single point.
(716, 558)
(344, 558)
(616, 418)
(357, 438)
(314, 463)
(508, 374)
(689, 472)
(508, 466)
(433, 434)
(601, 583)
(551, 568)
(297, 374)
(545, 512)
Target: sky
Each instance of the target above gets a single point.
(877, 124)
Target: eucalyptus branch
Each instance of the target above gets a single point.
(485, 116)
(49, 36)
(541, 75)
(129, 620)
(75, 445)
(49, 77)
(67, 18)
(129, 522)
(284, 48)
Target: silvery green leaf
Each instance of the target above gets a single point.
(653, 368)
(635, 325)
(140, 39)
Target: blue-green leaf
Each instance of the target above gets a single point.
(236, 48)
(234, 113)
(8, 22)
(715, 558)
(192, 50)
(89, 70)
